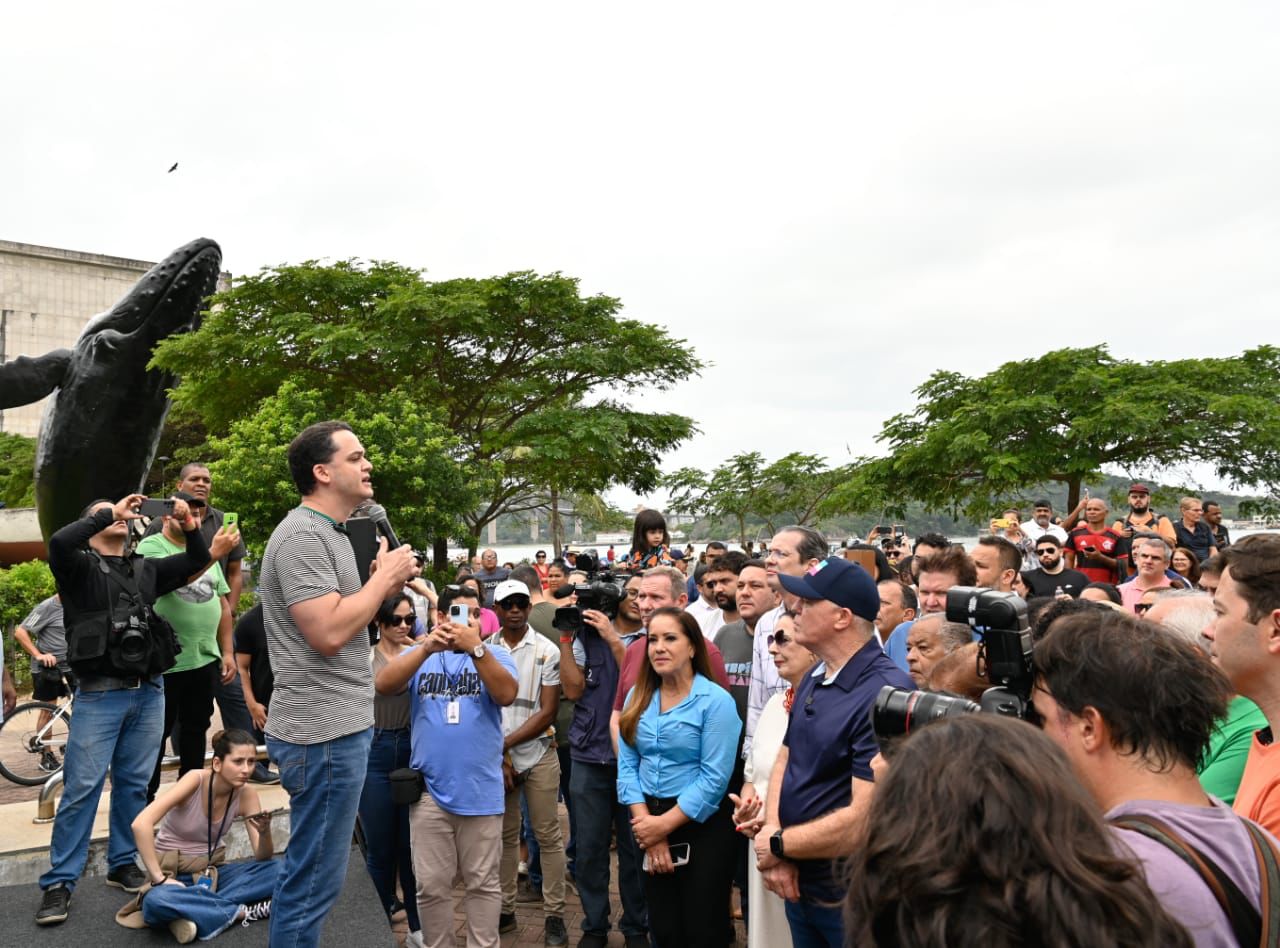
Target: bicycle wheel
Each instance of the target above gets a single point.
(29, 752)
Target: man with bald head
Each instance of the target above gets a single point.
(931, 639)
(1094, 548)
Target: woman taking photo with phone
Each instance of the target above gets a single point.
(678, 735)
(192, 891)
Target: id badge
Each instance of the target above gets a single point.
(452, 712)
(204, 881)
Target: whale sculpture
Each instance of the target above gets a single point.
(106, 409)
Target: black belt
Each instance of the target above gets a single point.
(109, 683)
(659, 805)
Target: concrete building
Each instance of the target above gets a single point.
(47, 294)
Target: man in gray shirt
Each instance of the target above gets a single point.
(320, 721)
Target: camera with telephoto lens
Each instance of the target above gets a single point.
(602, 592)
(1004, 656)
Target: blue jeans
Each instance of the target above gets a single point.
(814, 925)
(386, 826)
(120, 730)
(323, 782)
(239, 884)
(595, 811)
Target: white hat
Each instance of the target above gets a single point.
(510, 587)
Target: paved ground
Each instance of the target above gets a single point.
(529, 916)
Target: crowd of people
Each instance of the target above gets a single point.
(706, 723)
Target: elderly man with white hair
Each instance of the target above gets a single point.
(1186, 613)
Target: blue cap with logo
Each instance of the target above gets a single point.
(837, 580)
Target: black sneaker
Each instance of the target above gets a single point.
(257, 912)
(506, 922)
(526, 892)
(54, 905)
(49, 762)
(555, 933)
(128, 877)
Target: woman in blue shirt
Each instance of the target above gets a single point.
(678, 737)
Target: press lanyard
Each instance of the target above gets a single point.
(221, 826)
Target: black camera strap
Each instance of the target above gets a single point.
(130, 589)
(1248, 925)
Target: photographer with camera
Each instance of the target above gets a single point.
(822, 781)
(118, 648)
(1136, 748)
(592, 647)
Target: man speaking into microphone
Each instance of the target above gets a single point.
(320, 721)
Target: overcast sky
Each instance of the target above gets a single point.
(828, 201)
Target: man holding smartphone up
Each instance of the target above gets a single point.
(458, 687)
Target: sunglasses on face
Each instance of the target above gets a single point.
(514, 602)
(408, 620)
(779, 638)
(1047, 551)
(1142, 607)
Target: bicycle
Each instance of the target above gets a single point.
(33, 739)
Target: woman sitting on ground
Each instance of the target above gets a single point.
(999, 845)
(193, 892)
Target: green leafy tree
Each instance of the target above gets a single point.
(1064, 417)
(745, 488)
(530, 376)
(17, 470)
(413, 469)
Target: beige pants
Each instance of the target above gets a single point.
(445, 846)
(542, 790)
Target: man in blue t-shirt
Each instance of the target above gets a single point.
(458, 687)
(822, 781)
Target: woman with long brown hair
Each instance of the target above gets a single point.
(678, 736)
(979, 834)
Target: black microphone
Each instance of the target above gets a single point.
(378, 514)
(564, 592)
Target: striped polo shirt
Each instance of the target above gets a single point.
(537, 665)
(315, 698)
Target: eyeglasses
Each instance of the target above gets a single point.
(778, 638)
(514, 602)
(633, 593)
(1047, 550)
(541, 556)
(1142, 607)
(408, 620)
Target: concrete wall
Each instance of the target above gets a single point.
(46, 297)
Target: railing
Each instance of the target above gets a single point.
(47, 805)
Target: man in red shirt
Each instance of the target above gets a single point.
(1094, 548)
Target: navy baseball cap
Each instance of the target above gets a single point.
(837, 580)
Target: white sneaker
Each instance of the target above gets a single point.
(257, 912)
(184, 930)
(414, 940)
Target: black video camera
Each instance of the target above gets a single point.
(1004, 657)
(602, 592)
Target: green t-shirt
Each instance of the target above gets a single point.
(1229, 749)
(194, 610)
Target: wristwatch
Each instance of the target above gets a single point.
(479, 650)
(775, 845)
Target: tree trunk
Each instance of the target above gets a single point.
(742, 531)
(440, 552)
(557, 536)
